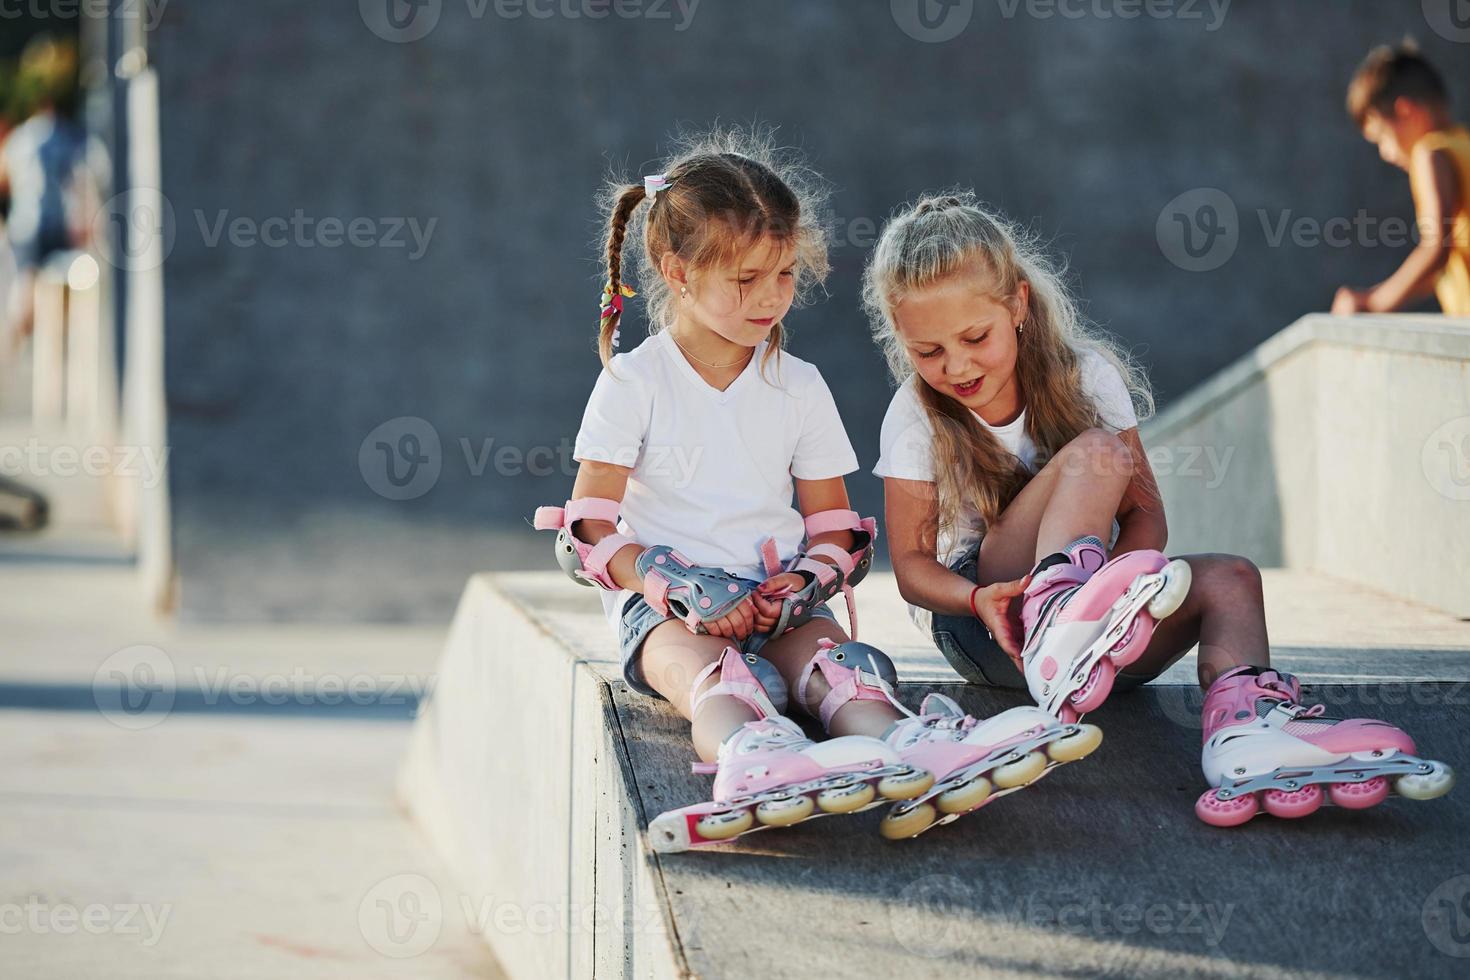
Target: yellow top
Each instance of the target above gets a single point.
(1453, 285)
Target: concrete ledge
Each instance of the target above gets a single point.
(518, 774)
(1340, 445)
(534, 772)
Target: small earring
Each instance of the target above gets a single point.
(683, 292)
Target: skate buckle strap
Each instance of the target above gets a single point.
(705, 768)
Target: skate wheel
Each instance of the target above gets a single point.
(1126, 650)
(1426, 786)
(905, 786)
(1359, 796)
(1020, 772)
(1219, 812)
(1177, 576)
(784, 812)
(845, 799)
(902, 822)
(725, 825)
(964, 797)
(1091, 695)
(1068, 715)
(1294, 804)
(1078, 745)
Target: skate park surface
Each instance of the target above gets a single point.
(534, 771)
(1099, 869)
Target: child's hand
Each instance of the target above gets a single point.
(768, 597)
(736, 624)
(993, 602)
(1349, 301)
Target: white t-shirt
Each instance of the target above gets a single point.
(907, 442)
(712, 470)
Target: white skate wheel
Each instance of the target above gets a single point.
(910, 822)
(1020, 772)
(905, 786)
(965, 797)
(784, 812)
(1078, 745)
(1177, 576)
(723, 826)
(845, 799)
(1426, 786)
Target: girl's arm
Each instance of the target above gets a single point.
(1434, 180)
(610, 481)
(1141, 523)
(911, 512)
(812, 497)
(815, 496)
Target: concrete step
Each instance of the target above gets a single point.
(1340, 445)
(534, 772)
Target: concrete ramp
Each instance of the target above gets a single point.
(1340, 445)
(534, 772)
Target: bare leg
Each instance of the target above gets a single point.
(672, 658)
(1076, 493)
(791, 651)
(1225, 613)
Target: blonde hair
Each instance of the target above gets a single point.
(947, 235)
(728, 189)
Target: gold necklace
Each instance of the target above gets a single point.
(710, 363)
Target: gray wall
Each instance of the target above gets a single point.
(281, 361)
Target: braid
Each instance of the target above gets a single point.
(617, 230)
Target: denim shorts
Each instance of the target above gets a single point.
(974, 654)
(639, 619)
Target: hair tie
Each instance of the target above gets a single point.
(652, 184)
(612, 305)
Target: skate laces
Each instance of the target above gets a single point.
(1285, 690)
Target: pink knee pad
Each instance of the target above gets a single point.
(854, 671)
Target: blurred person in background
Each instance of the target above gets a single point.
(38, 163)
(1401, 105)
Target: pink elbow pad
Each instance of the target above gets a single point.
(585, 563)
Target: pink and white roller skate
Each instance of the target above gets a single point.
(977, 761)
(769, 774)
(1264, 750)
(1086, 617)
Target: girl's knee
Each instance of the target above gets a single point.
(1231, 571)
(1099, 453)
